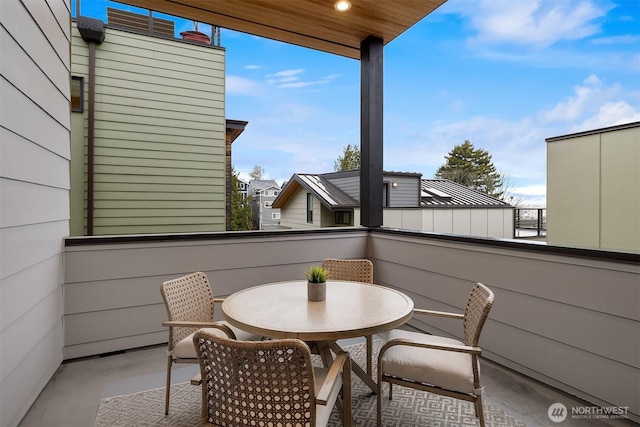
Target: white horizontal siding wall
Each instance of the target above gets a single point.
(112, 291)
(569, 322)
(406, 194)
(294, 213)
(34, 196)
(160, 134)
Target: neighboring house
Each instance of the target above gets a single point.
(593, 189)
(160, 143)
(435, 205)
(243, 187)
(264, 192)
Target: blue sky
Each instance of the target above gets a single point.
(503, 74)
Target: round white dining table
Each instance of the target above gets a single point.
(351, 309)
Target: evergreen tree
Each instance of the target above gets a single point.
(473, 168)
(241, 212)
(349, 160)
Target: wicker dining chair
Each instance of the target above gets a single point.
(438, 364)
(353, 270)
(264, 383)
(190, 306)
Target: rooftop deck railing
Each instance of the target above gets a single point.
(568, 318)
(530, 222)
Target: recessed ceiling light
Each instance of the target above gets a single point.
(342, 5)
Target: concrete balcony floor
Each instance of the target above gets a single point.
(71, 397)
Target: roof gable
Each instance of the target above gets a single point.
(263, 184)
(329, 195)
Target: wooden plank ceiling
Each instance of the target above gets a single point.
(310, 23)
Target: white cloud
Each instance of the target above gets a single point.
(254, 67)
(534, 195)
(236, 85)
(609, 114)
(628, 39)
(534, 22)
(291, 79)
(588, 99)
(302, 84)
(287, 73)
(531, 190)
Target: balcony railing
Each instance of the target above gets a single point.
(555, 310)
(530, 222)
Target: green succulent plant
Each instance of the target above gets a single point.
(316, 274)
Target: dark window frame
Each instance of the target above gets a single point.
(309, 208)
(76, 109)
(343, 217)
(386, 194)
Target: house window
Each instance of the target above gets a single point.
(77, 98)
(309, 208)
(385, 195)
(343, 217)
(268, 204)
(275, 215)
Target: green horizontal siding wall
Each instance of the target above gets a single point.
(159, 134)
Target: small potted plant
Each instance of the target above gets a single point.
(316, 283)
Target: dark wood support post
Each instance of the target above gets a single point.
(371, 141)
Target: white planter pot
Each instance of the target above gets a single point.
(317, 291)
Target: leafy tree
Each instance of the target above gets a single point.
(349, 160)
(473, 168)
(241, 212)
(256, 173)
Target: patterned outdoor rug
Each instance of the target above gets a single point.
(408, 408)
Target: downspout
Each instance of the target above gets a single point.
(92, 32)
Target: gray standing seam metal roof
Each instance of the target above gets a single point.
(261, 184)
(434, 193)
(329, 193)
(460, 195)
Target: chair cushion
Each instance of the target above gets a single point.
(185, 348)
(445, 369)
(323, 412)
(242, 335)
